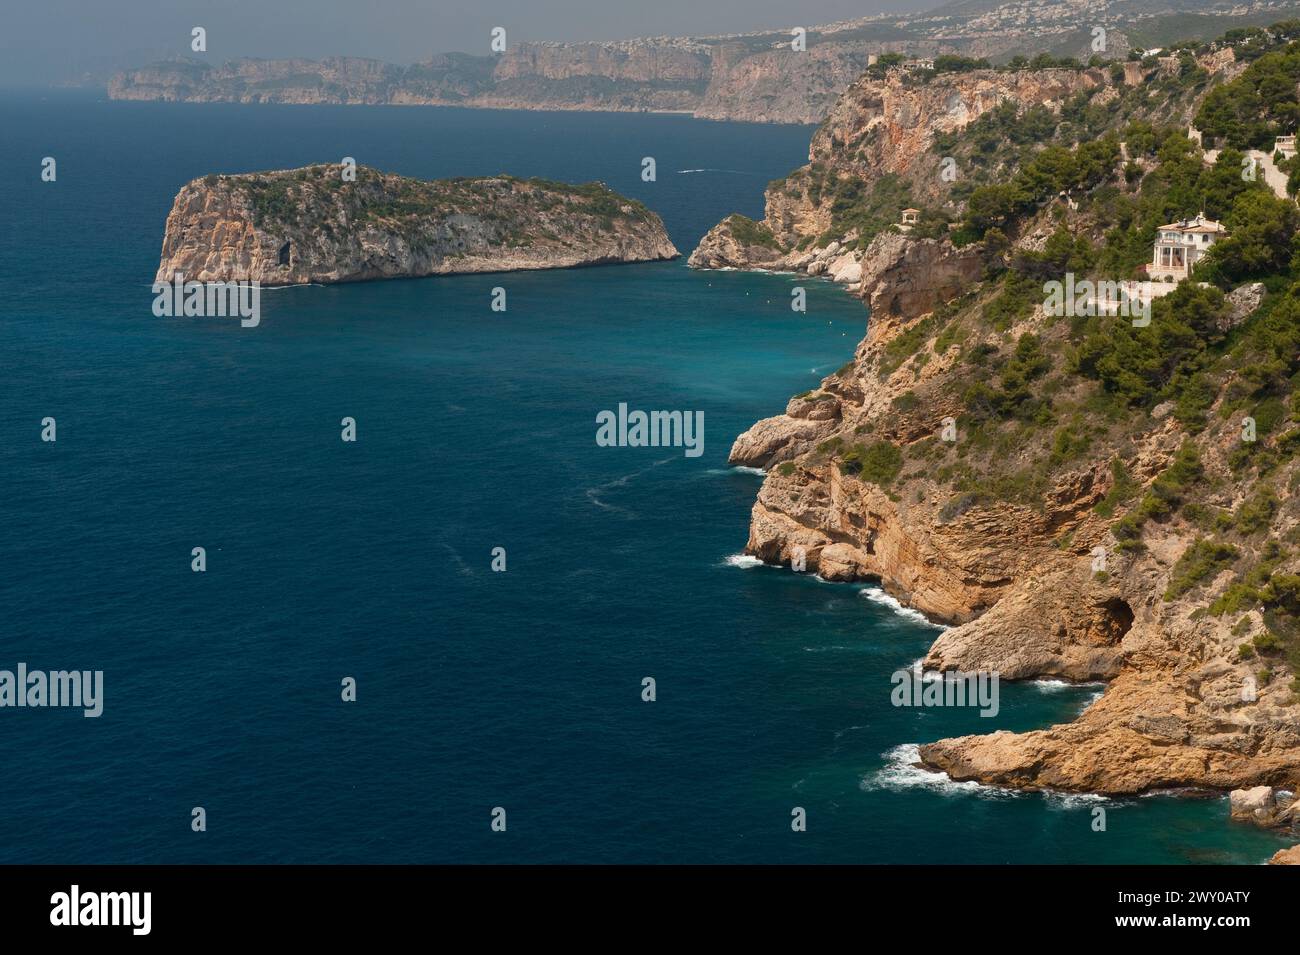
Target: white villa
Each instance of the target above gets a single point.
(1179, 245)
(1285, 145)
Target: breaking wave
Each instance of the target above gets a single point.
(901, 772)
(878, 596)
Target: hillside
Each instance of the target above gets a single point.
(1083, 495)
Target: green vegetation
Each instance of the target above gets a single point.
(950, 63)
(1164, 497)
(1258, 105)
(1256, 512)
(878, 463)
(1139, 365)
(869, 212)
(1201, 560)
(1122, 490)
(412, 207)
(748, 232)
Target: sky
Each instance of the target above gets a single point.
(51, 41)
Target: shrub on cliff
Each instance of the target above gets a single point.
(877, 463)
(1164, 497)
(1201, 560)
(748, 232)
(1138, 365)
(951, 63)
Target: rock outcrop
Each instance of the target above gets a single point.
(882, 125)
(1263, 806)
(896, 274)
(311, 225)
(1011, 538)
(1286, 856)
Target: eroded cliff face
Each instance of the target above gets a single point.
(888, 125)
(777, 86)
(879, 126)
(895, 274)
(1015, 573)
(310, 225)
(1181, 708)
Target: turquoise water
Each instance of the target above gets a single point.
(371, 560)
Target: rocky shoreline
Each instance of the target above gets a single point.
(1017, 580)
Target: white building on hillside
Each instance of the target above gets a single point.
(1179, 245)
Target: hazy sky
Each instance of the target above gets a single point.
(44, 41)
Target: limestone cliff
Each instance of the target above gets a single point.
(883, 125)
(1018, 580)
(310, 225)
(755, 78)
(967, 459)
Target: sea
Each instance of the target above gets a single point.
(518, 695)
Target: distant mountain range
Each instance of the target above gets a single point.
(745, 76)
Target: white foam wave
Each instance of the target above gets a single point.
(1073, 800)
(1092, 698)
(743, 560)
(748, 470)
(1053, 685)
(901, 772)
(877, 596)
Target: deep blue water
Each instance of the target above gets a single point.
(371, 560)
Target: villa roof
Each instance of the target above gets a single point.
(911, 210)
(1199, 224)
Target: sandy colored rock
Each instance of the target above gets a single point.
(300, 226)
(773, 440)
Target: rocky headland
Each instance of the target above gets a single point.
(298, 226)
(1055, 488)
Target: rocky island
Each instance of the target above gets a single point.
(1080, 495)
(298, 226)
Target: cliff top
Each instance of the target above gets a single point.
(282, 197)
